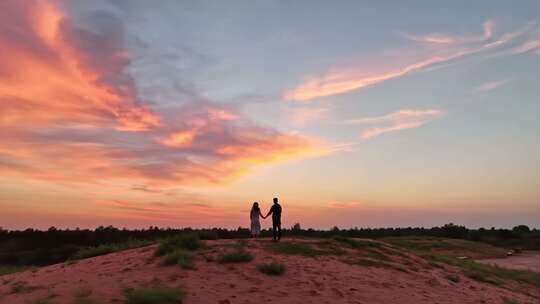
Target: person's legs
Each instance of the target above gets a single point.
(279, 231)
(274, 226)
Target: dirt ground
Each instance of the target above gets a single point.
(319, 279)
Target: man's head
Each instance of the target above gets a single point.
(275, 200)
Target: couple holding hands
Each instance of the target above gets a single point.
(276, 219)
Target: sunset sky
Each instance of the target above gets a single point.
(353, 113)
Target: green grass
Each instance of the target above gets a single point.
(358, 243)
(7, 269)
(43, 301)
(189, 242)
(236, 256)
(103, 249)
(180, 257)
(452, 247)
(294, 248)
(23, 287)
(154, 294)
(85, 300)
(378, 264)
(509, 301)
(369, 249)
(484, 272)
(446, 251)
(273, 269)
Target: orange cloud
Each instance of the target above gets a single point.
(342, 205)
(178, 139)
(70, 112)
(304, 115)
(396, 121)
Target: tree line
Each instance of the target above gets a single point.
(44, 247)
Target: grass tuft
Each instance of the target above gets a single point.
(103, 249)
(237, 256)
(23, 287)
(154, 294)
(189, 242)
(274, 269)
(180, 257)
(358, 243)
(7, 269)
(294, 248)
(453, 278)
(43, 301)
(378, 264)
(446, 251)
(509, 301)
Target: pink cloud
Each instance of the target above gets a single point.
(491, 85)
(304, 115)
(71, 112)
(396, 121)
(342, 205)
(440, 49)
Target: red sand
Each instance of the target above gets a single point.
(323, 279)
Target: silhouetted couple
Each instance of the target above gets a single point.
(276, 219)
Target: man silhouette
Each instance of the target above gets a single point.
(276, 219)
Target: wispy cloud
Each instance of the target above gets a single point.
(396, 121)
(430, 38)
(342, 205)
(440, 49)
(304, 115)
(530, 45)
(491, 85)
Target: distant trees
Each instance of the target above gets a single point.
(521, 229)
(36, 247)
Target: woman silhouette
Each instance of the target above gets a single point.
(255, 223)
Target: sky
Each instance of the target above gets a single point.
(353, 113)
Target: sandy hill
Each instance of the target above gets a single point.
(229, 271)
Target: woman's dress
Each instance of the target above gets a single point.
(255, 223)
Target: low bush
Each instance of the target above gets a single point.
(89, 252)
(237, 256)
(273, 268)
(154, 294)
(180, 257)
(189, 242)
(293, 248)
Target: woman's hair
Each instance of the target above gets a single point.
(255, 207)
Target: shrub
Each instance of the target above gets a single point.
(23, 287)
(154, 294)
(509, 301)
(453, 277)
(357, 243)
(103, 249)
(43, 301)
(7, 269)
(379, 264)
(237, 256)
(180, 257)
(190, 242)
(273, 268)
(292, 248)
